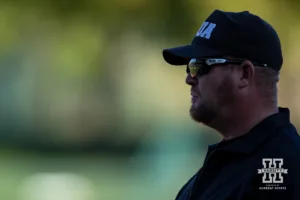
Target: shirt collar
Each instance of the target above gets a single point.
(257, 135)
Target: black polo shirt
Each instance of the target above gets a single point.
(262, 164)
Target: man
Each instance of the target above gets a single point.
(233, 68)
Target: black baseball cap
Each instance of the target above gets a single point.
(238, 34)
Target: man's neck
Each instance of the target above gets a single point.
(240, 122)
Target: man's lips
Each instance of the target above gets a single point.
(194, 94)
(193, 97)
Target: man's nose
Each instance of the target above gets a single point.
(191, 80)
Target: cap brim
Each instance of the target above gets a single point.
(182, 55)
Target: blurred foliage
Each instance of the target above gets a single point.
(68, 68)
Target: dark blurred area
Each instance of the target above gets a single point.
(90, 110)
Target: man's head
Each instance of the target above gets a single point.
(233, 62)
(219, 89)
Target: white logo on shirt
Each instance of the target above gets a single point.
(272, 173)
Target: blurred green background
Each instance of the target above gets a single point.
(88, 107)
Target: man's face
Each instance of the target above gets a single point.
(212, 94)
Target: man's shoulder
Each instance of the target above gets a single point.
(286, 142)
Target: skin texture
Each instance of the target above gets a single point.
(229, 99)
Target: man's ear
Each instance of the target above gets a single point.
(247, 73)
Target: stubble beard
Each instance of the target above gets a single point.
(204, 113)
(209, 110)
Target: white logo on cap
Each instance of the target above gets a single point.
(206, 29)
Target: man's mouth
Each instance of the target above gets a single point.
(193, 98)
(194, 95)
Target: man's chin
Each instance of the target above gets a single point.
(202, 114)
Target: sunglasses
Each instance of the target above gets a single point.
(201, 66)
